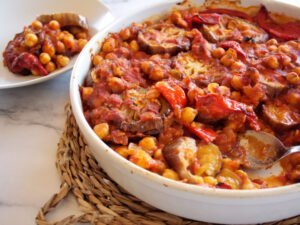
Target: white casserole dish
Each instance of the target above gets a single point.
(190, 201)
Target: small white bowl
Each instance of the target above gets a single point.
(15, 14)
(190, 201)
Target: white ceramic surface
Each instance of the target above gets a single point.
(15, 14)
(204, 204)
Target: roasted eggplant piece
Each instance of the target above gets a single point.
(233, 28)
(163, 38)
(65, 19)
(179, 155)
(280, 116)
(149, 127)
(210, 159)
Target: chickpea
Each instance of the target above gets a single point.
(218, 52)
(148, 143)
(177, 19)
(293, 98)
(62, 60)
(31, 39)
(297, 70)
(272, 62)
(171, 174)
(125, 34)
(61, 36)
(54, 25)
(210, 180)
(109, 45)
(146, 66)
(284, 48)
(97, 59)
(237, 66)
(117, 71)
(225, 91)
(236, 82)
(69, 41)
(102, 130)
(188, 114)
(235, 95)
(86, 92)
(272, 48)
(227, 60)
(272, 42)
(81, 35)
(116, 84)
(49, 48)
(37, 25)
(231, 52)
(192, 93)
(175, 73)
(134, 46)
(293, 78)
(156, 74)
(50, 67)
(286, 60)
(60, 47)
(35, 72)
(142, 159)
(124, 151)
(213, 87)
(82, 43)
(44, 58)
(111, 56)
(254, 75)
(158, 154)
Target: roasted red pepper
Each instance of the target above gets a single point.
(229, 12)
(206, 18)
(234, 45)
(287, 31)
(215, 107)
(200, 45)
(173, 93)
(204, 133)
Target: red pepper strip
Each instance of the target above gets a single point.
(205, 133)
(223, 186)
(200, 45)
(234, 45)
(287, 31)
(229, 12)
(216, 107)
(206, 18)
(27, 61)
(174, 94)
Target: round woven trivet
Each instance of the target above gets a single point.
(101, 200)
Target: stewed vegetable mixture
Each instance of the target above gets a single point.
(173, 96)
(46, 44)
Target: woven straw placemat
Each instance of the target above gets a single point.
(101, 200)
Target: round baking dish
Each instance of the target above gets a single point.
(190, 201)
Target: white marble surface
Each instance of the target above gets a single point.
(31, 122)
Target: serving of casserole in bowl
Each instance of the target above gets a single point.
(163, 104)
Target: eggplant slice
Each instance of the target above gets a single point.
(179, 155)
(65, 19)
(233, 28)
(164, 38)
(280, 116)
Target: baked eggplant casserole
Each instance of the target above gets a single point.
(174, 95)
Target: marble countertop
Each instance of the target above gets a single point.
(31, 122)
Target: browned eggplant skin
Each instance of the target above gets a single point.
(181, 42)
(65, 19)
(280, 116)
